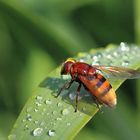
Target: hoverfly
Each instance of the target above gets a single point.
(94, 82)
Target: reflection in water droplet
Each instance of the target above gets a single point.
(12, 137)
(48, 102)
(37, 131)
(51, 133)
(65, 111)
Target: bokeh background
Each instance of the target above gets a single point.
(37, 35)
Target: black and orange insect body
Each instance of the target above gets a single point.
(97, 85)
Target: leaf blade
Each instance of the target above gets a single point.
(55, 117)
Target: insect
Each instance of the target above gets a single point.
(94, 82)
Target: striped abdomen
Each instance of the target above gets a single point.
(100, 87)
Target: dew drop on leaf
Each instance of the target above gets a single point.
(124, 47)
(51, 133)
(68, 124)
(59, 104)
(26, 127)
(39, 98)
(72, 96)
(65, 111)
(58, 119)
(48, 102)
(35, 110)
(29, 117)
(38, 103)
(125, 63)
(36, 122)
(37, 131)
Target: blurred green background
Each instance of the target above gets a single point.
(36, 36)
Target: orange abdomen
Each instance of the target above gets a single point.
(100, 88)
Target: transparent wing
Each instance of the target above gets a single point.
(119, 72)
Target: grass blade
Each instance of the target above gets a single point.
(45, 116)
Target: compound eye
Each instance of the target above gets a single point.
(62, 69)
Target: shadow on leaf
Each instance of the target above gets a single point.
(85, 102)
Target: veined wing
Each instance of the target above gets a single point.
(119, 72)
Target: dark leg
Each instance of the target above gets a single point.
(65, 86)
(96, 102)
(77, 94)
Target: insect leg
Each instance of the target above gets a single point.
(65, 86)
(96, 102)
(77, 94)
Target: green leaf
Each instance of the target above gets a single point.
(45, 116)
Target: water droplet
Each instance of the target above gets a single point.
(125, 63)
(51, 133)
(72, 96)
(26, 127)
(81, 60)
(95, 58)
(54, 112)
(59, 104)
(96, 63)
(65, 111)
(24, 120)
(115, 54)
(36, 110)
(37, 131)
(58, 119)
(36, 122)
(109, 56)
(12, 137)
(39, 98)
(68, 124)
(124, 46)
(48, 114)
(48, 102)
(38, 104)
(80, 114)
(29, 117)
